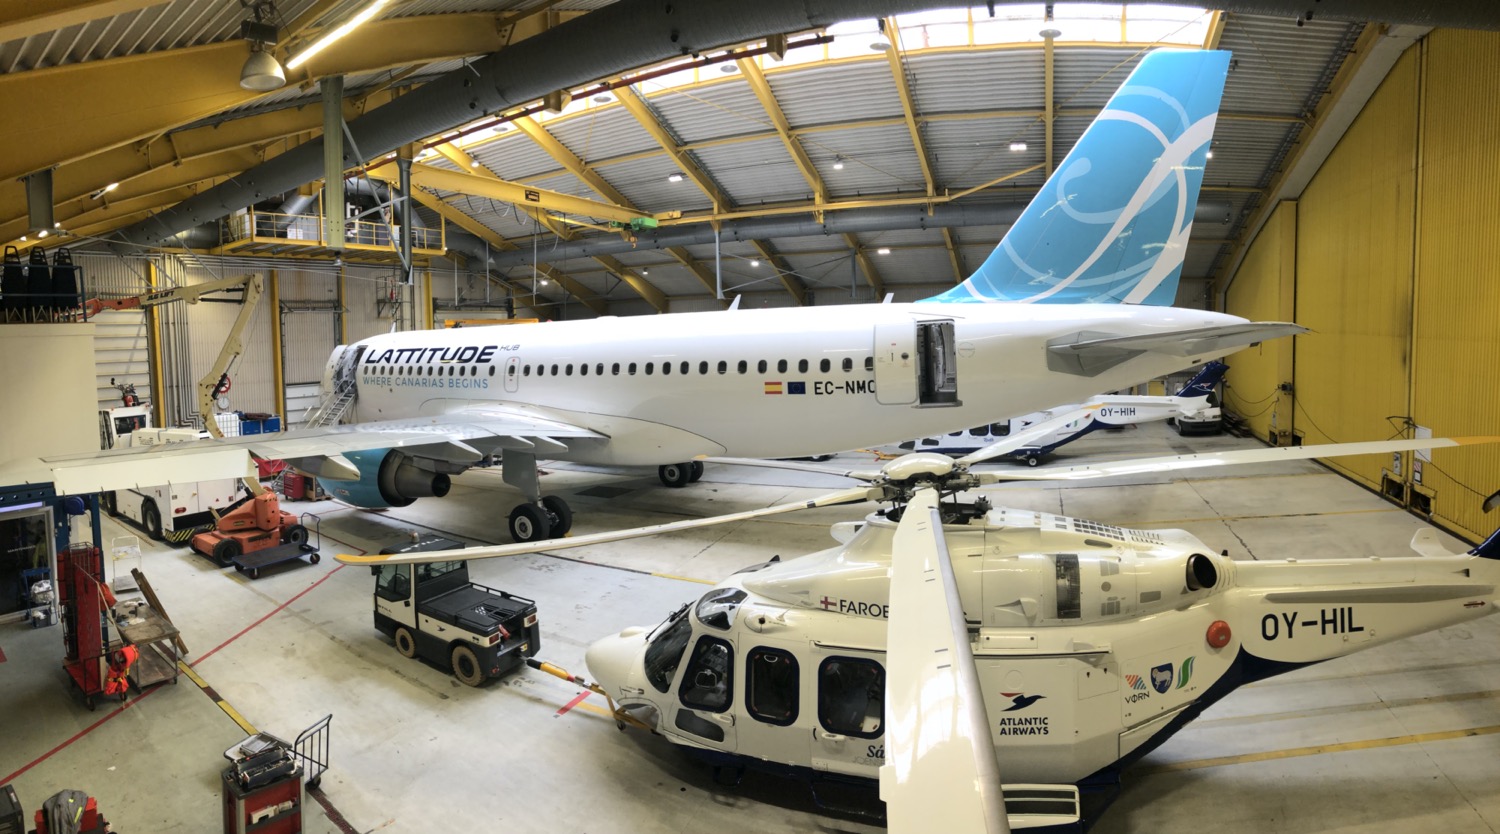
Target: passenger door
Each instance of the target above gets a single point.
(847, 688)
(896, 362)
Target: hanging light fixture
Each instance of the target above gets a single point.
(262, 73)
(343, 29)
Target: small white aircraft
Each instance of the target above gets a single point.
(942, 643)
(1069, 304)
(1102, 412)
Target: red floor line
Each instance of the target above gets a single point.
(573, 703)
(2, 655)
(80, 734)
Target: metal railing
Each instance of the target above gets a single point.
(308, 228)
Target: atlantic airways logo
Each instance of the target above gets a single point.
(1020, 700)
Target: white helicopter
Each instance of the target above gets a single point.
(1052, 650)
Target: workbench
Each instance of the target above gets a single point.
(156, 640)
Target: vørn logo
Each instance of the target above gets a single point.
(1020, 700)
(1135, 682)
(1161, 677)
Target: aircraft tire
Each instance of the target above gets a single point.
(529, 523)
(675, 475)
(1032, 460)
(697, 472)
(560, 514)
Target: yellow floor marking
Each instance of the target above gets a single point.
(685, 578)
(1318, 750)
(230, 711)
(1272, 515)
(1456, 697)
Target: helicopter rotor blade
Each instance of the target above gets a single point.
(941, 773)
(767, 463)
(1033, 432)
(1202, 460)
(852, 495)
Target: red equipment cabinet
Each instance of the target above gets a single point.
(85, 603)
(272, 808)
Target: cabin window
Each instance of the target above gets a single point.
(743, 366)
(526, 371)
(568, 369)
(869, 363)
(930, 441)
(492, 370)
(510, 371)
(615, 369)
(708, 682)
(723, 367)
(461, 370)
(825, 366)
(554, 370)
(583, 369)
(665, 651)
(631, 369)
(781, 366)
(599, 369)
(848, 365)
(801, 366)
(452, 369)
(851, 697)
(761, 366)
(394, 583)
(666, 368)
(684, 368)
(771, 686)
(702, 367)
(650, 366)
(716, 608)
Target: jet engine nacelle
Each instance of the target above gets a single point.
(388, 478)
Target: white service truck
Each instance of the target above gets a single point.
(173, 512)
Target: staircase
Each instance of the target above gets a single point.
(331, 408)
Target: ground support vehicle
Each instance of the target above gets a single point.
(256, 534)
(434, 612)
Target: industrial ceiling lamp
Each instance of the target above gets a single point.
(262, 73)
(881, 42)
(1050, 31)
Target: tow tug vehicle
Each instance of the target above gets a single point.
(434, 612)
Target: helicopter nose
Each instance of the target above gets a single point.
(614, 662)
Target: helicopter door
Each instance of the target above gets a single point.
(848, 702)
(705, 695)
(774, 717)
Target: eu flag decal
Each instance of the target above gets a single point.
(796, 388)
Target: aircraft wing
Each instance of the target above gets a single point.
(940, 773)
(1083, 415)
(462, 436)
(1090, 354)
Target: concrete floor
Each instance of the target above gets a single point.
(415, 751)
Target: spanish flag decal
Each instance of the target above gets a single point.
(773, 388)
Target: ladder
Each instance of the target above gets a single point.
(331, 408)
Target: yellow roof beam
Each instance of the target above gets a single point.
(762, 89)
(908, 108)
(1216, 23)
(955, 258)
(142, 96)
(458, 218)
(460, 157)
(654, 296)
(648, 121)
(867, 266)
(792, 283)
(441, 179)
(24, 18)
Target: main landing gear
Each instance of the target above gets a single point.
(677, 475)
(544, 516)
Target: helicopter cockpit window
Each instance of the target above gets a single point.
(716, 608)
(394, 582)
(851, 697)
(706, 684)
(771, 686)
(666, 649)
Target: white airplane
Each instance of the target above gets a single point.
(1068, 305)
(1101, 412)
(943, 644)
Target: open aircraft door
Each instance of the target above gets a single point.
(915, 362)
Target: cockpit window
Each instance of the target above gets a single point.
(716, 608)
(666, 649)
(708, 683)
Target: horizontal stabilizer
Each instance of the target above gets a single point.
(1427, 543)
(1396, 593)
(1090, 353)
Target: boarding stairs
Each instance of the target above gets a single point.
(332, 407)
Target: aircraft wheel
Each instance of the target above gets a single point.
(295, 534)
(405, 643)
(107, 502)
(697, 472)
(1032, 460)
(559, 514)
(528, 523)
(226, 551)
(151, 519)
(466, 666)
(675, 475)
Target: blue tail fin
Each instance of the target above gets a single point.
(1111, 224)
(1203, 383)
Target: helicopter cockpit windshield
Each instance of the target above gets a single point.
(666, 647)
(716, 608)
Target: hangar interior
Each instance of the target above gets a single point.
(1349, 188)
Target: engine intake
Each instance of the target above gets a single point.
(388, 478)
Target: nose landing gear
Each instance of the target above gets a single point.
(677, 475)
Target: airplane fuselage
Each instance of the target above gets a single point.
(763, 383)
